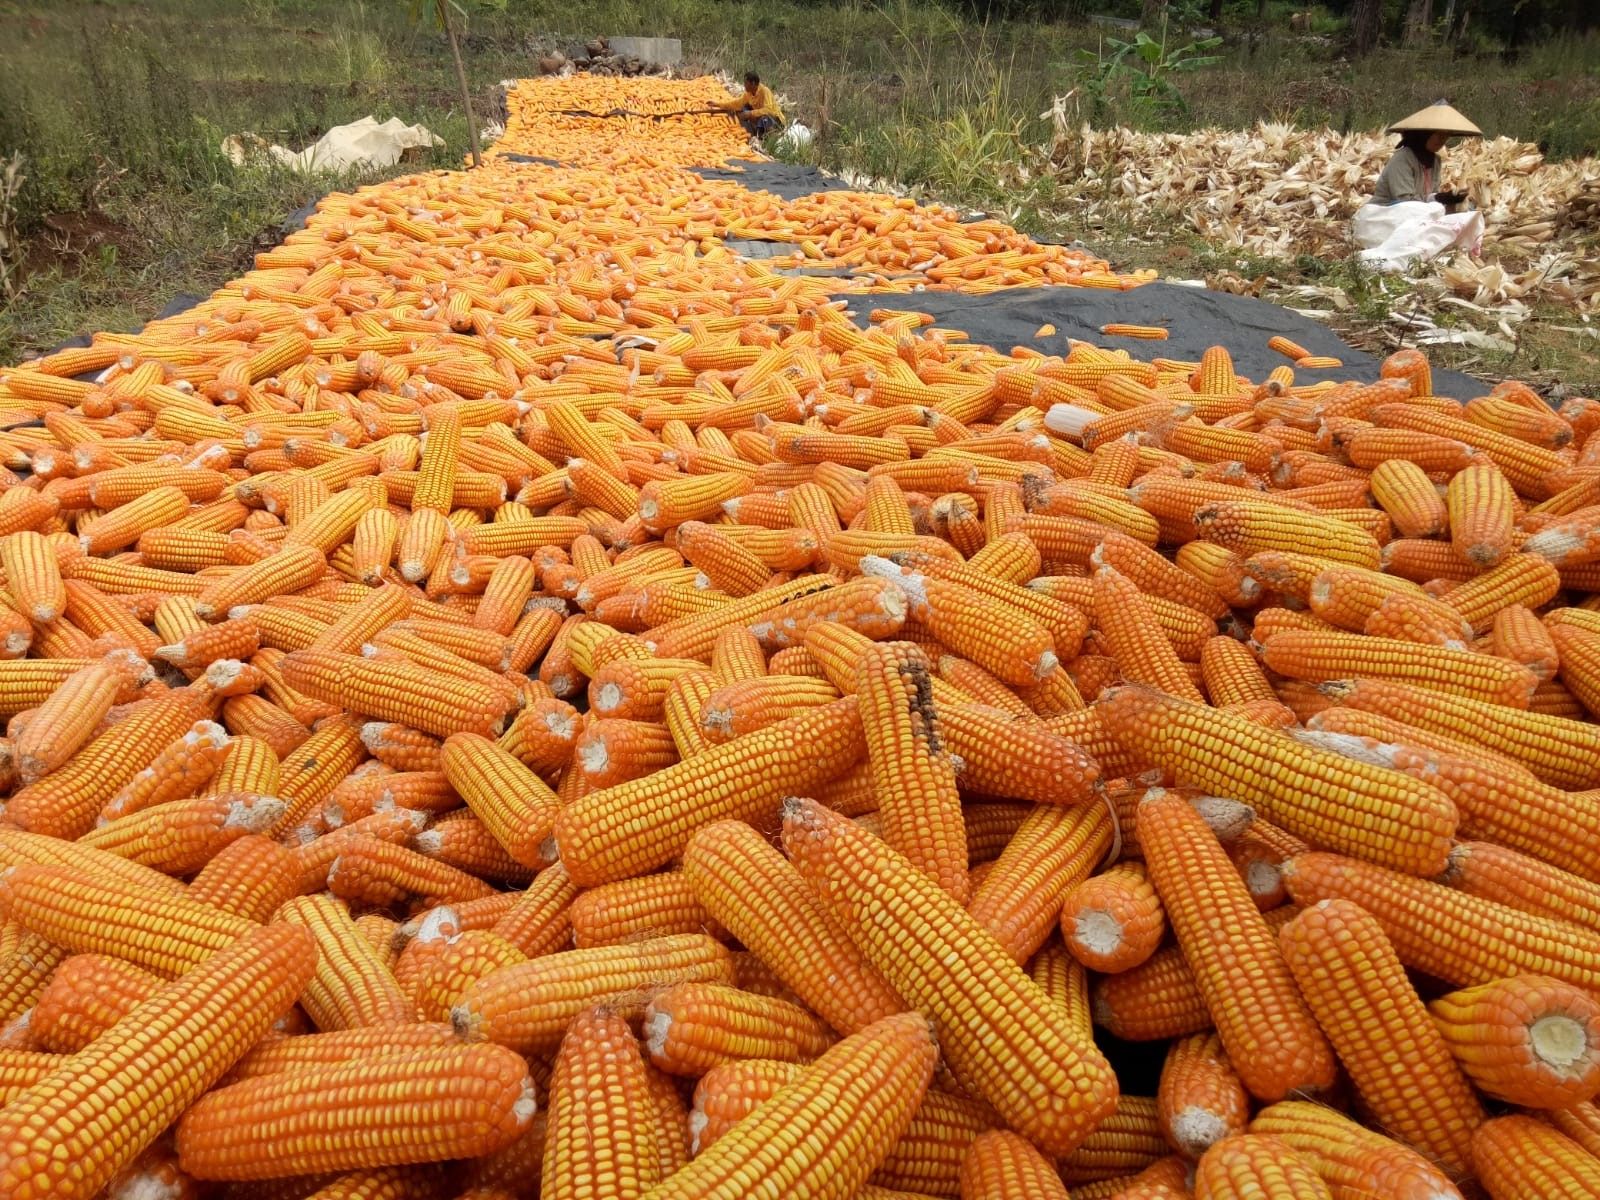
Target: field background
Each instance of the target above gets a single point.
(121, 197)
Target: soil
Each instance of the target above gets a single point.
(68, 241)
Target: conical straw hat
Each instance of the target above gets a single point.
(1438, 117)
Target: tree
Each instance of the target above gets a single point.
(441, 16)
(1419, 21)
(1153, 13)
(1364, 23)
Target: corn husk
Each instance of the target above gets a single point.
(1280, 192)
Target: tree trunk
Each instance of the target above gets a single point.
(1419, 22)
(461, 78)
(1364, 24)
(1214, 14)
(1261, 10)
(1152, 13)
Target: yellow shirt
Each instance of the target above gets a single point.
(762, 104)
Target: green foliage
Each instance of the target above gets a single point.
(1143, 69)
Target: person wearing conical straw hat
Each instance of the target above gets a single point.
(1413, 172)
(1410, 218)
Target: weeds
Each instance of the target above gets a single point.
(10, 244)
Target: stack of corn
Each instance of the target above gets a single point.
(502, 706)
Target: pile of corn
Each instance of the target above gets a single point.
(509, 700)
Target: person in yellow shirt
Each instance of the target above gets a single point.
(756, 107)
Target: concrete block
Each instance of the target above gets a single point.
(668, 52)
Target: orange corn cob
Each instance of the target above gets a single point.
(1200, 1100)
(68, 718)
(873, 891)
(602, 1132)
(1354, 1161)
(834, 1123)
(1113, 922)
(635, 910)
(1270, 1036)
(1254, 1165)
(87, 995)
(462, 841)
(1403, 823)
(33, 575)
(537, 921)
(692, 1027)
(1131, 636)
(1354, 983)
(1051, 852)
(999, 1164)
(1247, 526)
(181, 836)
(1525, 1040)
(1580, 1122)
(1415, 914)
(351, 986)
(131, 1083)
(1065, 981)
(633, 827)
(1519, 1158)
(509, 798)
(1318, 656)
(397, 691)
(251, 878)
(461, 963)
(121, 527)
(400, 747)
(529, 1005)
(435, 1104)
(1519, 636)
(739, 708)
(371, 871)
(542, 735)
(1404, 491)
(915, 778)
(1483, 514)
(308, 1051)
(287, 571)
(1518, 579)
(164, 933)
(750, 889)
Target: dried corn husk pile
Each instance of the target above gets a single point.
(1279, 191)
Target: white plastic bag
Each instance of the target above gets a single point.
(1398, 236)
(795, 136)
(363, 141)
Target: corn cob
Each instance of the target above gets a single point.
(87, 995)
(424, 1105)
(692, 1027)
(1427, 923)
(527, 1006)
(1518, 1158)
(1200, 1100)
(397, 691)
(1000, 1164)
(1113, 922)
(873, 890)
(1352, 1160)
(1402, 823)
(508, 797)
(634, 910)
(351, 987)
(1051, 852)
(75, 1129)
(602, 1132)
(308, 1051)
(1253, 1164)
(182, 836)
(68, 718)
(913, 774)
(290, 570)
(1524, 1040)
(825, 1131)
(633, 827)
(251, 878)
(1354, 983)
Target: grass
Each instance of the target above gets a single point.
(119, 108)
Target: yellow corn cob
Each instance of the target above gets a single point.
(430, 1104)
(287, 571)
(1519, 1158)
(831, 1125)
(603, 1132)
(397, 691)
(1253, 1164)
(633, 827)
(69, 717)
(75, 1129)
(529, 1005)
(1483, 514)
(691, 1027)
(1525, 1040)
(33, 575)
(508, 797)
(87, 995)
(351, 987)
(1489, 941)
(1352, 1160)
(1404, 823)
(1000, 1164)
(1052, 850)
(1355, 985)
(634, 910)
(874, 889)
(1319, 656)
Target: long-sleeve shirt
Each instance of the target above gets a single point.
(1405, 178)
(762, 104)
